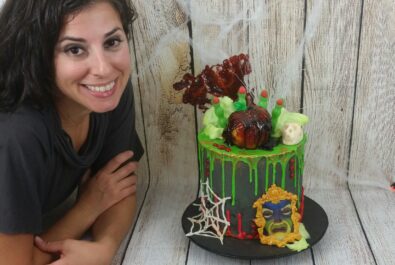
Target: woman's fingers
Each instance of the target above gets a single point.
(127, 182)
(58, 262)
(124, 171)
(50, 247)
(127, 191)
(111, 184)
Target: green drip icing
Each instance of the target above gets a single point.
(296, 173)
(283, 161)
(283, 173)
(280, 154)
(201, 162)
(233, 183)
(250, 169)
(300, 166)
(253, 165)
(256, 177)
(299, 175)
(223, 178)
(212, 160)
(266, 174)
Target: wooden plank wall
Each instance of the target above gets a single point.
(374, 131)
(329, 84)
(333, 60)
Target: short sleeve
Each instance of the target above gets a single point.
(121, 133)
(22, 165)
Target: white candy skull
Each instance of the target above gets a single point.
(292, 133)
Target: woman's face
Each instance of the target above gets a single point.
(92, 63)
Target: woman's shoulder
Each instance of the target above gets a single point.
(26, 124)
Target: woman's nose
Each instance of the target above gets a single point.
(100, 64)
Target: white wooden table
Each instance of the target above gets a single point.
(333, 60)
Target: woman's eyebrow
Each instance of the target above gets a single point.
(72, 39)
(112, 32)
(83, 40)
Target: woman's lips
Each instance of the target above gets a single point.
(102, 91)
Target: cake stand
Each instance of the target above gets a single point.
(314, 219)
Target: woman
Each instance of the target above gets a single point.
(66, 110)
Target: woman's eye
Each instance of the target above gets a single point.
(112, 43)
(74, 50)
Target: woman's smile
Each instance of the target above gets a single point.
(102, 90)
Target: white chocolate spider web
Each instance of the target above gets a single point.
(211, 221)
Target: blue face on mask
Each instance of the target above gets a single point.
(278, 218)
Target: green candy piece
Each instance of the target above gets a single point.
(227, 105)
(241, 102)
(303, 231)
(276, 112)
(213, 132)
(302, 243)
(288, 117)
(219, 112)
(215, 119)
(298, 245)
(263, 102)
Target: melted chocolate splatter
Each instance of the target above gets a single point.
(219, 80)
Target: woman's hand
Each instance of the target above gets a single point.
(110, 185)
(76, 252)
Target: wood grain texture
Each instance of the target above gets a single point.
(271, 32)
(160, 39)
(198, 256)
(143, 170)
(219, 30)
(373, 144)
(344, 241)
(376, 211)
(303, 258)
(331, 62)
(275, 46)
(330, 65)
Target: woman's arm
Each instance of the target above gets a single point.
(108, 232)
(16, 249)
(72, 225)
(109, 186)
(112, 226)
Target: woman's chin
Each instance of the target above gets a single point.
(103, 109)
(102, 105)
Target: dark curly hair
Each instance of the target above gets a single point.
(29, 31)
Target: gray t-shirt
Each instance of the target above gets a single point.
(39, 167)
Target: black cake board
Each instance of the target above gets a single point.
(314, 219)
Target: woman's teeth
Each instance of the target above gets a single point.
(101, 88)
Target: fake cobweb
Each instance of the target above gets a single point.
(211, 221)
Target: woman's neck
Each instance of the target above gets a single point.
(71, 114)
(74, 121)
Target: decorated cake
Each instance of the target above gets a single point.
(250, 159)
